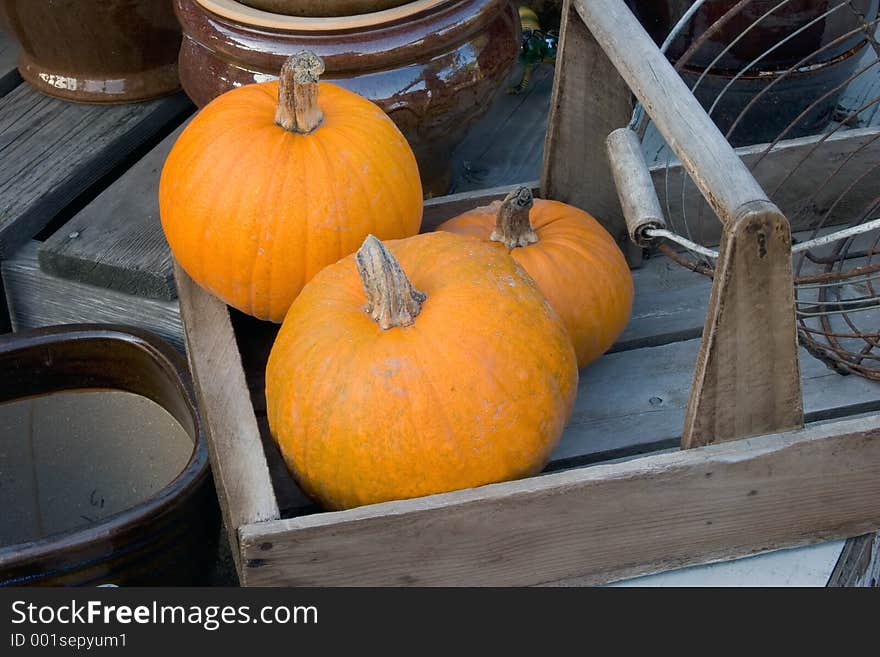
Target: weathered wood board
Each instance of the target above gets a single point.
(40, 299)
(53, 151)
(507, 144)
(595, 524)
(116, 241)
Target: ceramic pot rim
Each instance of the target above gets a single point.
(180, 489)
(252, 17)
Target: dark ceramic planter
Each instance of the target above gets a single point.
(168, 538)
(96, 51)
(433, 65)
(800, 101)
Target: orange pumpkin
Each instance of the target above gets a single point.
(272, 182)
(573, 259)
(386, 385)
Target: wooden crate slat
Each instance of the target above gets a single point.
(39, 299)
(635, 401)
(9, 76)
(116, 241)
(596, 524)
(241, 474)
(55, 150)
(590, 99)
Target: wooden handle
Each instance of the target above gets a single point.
(638, 198)
(723, 179)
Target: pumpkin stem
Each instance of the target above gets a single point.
(298, 109)
(391, 298)
(512, 227)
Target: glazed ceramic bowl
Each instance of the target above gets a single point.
(97, 51)
(118, 497)
(433, 65)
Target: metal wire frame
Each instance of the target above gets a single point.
(835, 272)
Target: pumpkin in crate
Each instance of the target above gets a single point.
(415, 367)
(271, 182)
(573, 259)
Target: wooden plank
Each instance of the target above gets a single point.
(39, 299)
(241, 475)
(592, 525)
(859, 563)
(747, 381)
(116, 241)
(507, 144)
(57, 150)
(590, 99)
(634, 401)
(721, 176)
(9, 77)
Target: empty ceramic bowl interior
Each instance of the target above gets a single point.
(104, 472)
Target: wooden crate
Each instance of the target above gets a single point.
(618, 498)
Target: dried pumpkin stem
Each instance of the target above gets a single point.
(391, 298)
(512, 227)
(298, 109)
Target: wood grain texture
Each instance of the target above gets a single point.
(592, 525)
(747, 379)
(507, 144)
(859, 563)
(721, 176)
(590, 99)
(55, 150)
(635, 188)
(9, 77)
(116, 241)
(241, 474)
(40, 299)
(635, 401)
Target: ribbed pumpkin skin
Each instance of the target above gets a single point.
(477, 390)
(252, 212)
(576, 264)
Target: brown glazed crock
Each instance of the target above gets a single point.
(433, 65)
(96, 51)
(168, 539)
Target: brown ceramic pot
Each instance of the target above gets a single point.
(98, 51)
(433, 65)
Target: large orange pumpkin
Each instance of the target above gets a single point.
(573, 259)
(386, 385)
(272, 182)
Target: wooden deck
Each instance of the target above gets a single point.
(80, 241)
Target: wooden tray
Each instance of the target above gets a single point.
(618, 499)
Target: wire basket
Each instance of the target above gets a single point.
(795, 86)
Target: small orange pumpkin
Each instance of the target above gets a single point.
(385, 385)
(573, 259)
(272, 182)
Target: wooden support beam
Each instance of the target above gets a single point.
(590, 99)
